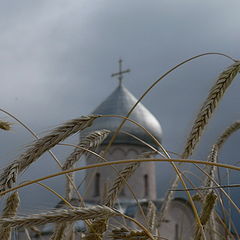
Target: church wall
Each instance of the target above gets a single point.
(143, 181)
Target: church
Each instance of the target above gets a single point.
(131, 142)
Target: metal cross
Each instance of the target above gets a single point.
(120, 73)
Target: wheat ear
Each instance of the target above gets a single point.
(8, 177)
(58, 216)
(35, 230)
(96, 229)
(223, 82)
(206, 213)
(208, 207)
(5, 125)
(99, 226)
(119, 182)
(209, 194)
(227, 133)
(151, 216)
(91, 141)
(69, 186)
(63, 231)
(211, 169)
(124, 233)
(213, 157)
(59, 233)
(9, 211)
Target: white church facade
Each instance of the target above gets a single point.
(131, 143)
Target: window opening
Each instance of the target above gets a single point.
(145, 185)
(97, 185)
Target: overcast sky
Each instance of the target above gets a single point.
(56, 58)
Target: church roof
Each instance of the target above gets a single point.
(119, 103)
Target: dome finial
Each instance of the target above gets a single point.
(120, 73)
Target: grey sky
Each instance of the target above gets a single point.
(57, 57)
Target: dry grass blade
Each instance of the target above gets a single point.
(216, 93)
(5, 125)
(124, 233)
(9, 211)
(42, 145)
(59, 216)
(90, 142)
(119, 182)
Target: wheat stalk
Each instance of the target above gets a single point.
(223, 82)
(8, 177)
(9, 211)
(59, 216)
(5, 125)
(91, 141)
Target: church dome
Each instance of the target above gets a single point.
(119, 103)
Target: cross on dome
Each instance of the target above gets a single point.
(120, 73)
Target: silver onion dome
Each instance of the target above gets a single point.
(119, 103)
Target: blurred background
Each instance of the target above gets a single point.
(57, 57)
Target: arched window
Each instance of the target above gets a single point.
(97, 185)
(176, 232)
(122, 192)
(145, 179)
